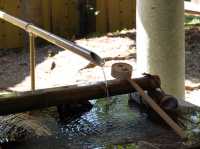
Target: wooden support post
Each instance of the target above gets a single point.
(32, 60)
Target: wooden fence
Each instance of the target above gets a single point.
(66, 17)
(115, 14)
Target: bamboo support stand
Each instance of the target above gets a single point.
(32, 60)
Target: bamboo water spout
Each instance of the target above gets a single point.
(60, 42)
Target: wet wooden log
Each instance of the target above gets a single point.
(26, 101)
(166, 102)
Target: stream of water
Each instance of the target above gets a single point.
(106, 84)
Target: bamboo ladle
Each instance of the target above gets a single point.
(124, 71)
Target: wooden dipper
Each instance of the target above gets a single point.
(124, 71)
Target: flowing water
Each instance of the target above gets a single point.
(106, 83)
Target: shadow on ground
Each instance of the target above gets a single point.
(131, 35)
(15, 64)
(192, 54)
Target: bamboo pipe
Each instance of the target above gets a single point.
(32, 60)
(124, 71)
(60, 42)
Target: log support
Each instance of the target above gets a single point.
(21, 102)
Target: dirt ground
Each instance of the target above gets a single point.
(56, 67)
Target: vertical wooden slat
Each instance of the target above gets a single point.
(72, 20)
(121, 14)
(114, 15)
(65, 17)
(59, 17)
(82, 17)
(91, 15)
(56, 11)
(2, 27)
(101, 16)
(127, 14)
(46, 14)
(32, 11)
(134, 12)
(68, 29)
(12, 35)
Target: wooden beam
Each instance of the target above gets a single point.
(20, 102)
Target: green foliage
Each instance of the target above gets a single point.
(192, 20)
(131, 146)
